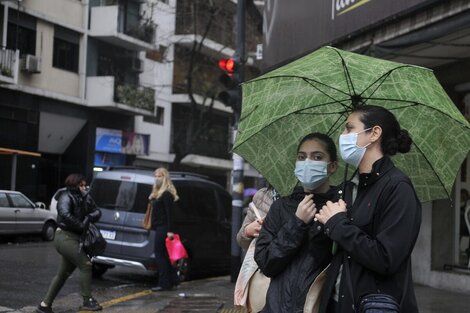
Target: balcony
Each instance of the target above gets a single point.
(104, 92)
(108, 24)
(9, 64)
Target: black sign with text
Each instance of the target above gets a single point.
(293, 28)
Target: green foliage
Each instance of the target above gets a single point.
(136, 96)
(5, 71)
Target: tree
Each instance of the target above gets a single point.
(200, 119)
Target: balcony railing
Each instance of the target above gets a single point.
(9, 62)
(105, 92)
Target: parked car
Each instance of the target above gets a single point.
(19, 215)
(55, 197)
(202, 218)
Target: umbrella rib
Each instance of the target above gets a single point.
(432, 167)
(308, 81)
(346, 74)
(382, 79)
(335, 125)
(296, 76)
(414, 103)
(295, 112)
(321, 91)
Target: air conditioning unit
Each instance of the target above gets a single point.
(31, 63)
(137, 65)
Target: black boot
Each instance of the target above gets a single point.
(90, 304)
(44, 309)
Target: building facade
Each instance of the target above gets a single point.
(433, 34)
(90, 84)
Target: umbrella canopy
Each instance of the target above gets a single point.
(316, 94)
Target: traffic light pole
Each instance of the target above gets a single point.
(238, 163)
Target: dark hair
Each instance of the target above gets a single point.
(73, 180)
(394, 139)
(326, 140)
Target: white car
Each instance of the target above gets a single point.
(19, 215)
(53, 205)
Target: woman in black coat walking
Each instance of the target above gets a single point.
(75, 209)
(376, 227)
(291, 248)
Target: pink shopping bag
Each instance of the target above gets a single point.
(175, 248)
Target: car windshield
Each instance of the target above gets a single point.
(120, 195)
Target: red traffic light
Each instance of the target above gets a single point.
(228, 65)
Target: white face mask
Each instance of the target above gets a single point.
(350, 152)
(158, 181)
(311, 174)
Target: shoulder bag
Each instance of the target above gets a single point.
(252, 285)
(147, 222)
(92, 241)
(312, 300)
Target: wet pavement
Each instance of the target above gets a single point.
(214, 295)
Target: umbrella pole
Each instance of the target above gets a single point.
(344, 181)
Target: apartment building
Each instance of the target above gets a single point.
(90, 84)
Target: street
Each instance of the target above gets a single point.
(26, 269)
(28, 264)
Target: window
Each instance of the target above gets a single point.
(121, 195)
(19, 201)
(21, 32)
(142, 198)
(4, 201)
(183, 207)
(158, 118)
(204, 201)
(66, 49)
(226, 203)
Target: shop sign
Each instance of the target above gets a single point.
(291, 31)
(117, 141)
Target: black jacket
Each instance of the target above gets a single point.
(162, 211)
(376, 237)
(72, 208)
(291, 252)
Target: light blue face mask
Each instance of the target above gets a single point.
(311, 174)
(350, 152)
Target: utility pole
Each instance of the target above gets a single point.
(237, 167)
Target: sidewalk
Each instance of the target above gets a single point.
(216, 295)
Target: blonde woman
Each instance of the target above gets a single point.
(162, 197)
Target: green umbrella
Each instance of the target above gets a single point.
(316, 94)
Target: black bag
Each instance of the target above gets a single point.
(378, 303)
(92, 241)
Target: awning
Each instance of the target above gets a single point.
(215, 163)
(19, 152)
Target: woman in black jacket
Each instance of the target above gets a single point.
(162, 197)
(75, 209)
(291, 248)
(376, 229)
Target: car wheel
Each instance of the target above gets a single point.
(182, 269)
(98, 270)
(48, 231)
